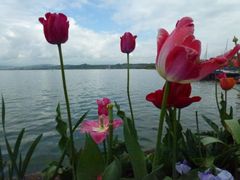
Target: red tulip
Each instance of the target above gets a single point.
(55, 27)
(178, 54)
(128, 42)
(178, 96)
(227, 83)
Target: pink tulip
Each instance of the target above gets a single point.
(178, 54)
(55, 27)
(98, 129)
(128, 42)
(102, 106)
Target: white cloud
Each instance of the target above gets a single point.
(23, 42)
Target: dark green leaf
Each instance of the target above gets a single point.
(3, 113)
(29, 154)
(90, 162)
(80, 120)
(61, 127)
(1, 166)
(233, 127)
(11, 156)
(18, 143)
(113, 171)
(134, 150)
(154, 175)
(213, 125)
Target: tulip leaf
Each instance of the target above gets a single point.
(80, 120)
(61, 127)
(3, 113)
(18, 143)
(113, 171)
(233, 127)
(1, 165)
(90, 161)
(206, 140)
(29, 154)
(213, 125)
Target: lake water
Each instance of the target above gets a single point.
(31, 98)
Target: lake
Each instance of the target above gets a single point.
(31, 98)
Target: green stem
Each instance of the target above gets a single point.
(128, 93)
(110, 136)
(226, 101)
(216, 97)
(179, 115)
(174, 173)
(105, 150)
(197, 122)
(157, 155)
(68, 109)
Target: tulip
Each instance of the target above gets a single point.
(127, 45)
(98, 129)
(102, 106)
(127, 42)
(178, 54)
(179, 96)
(55, 27)
(227, 83)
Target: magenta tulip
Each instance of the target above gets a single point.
(55, 27)
(128, 42)
(102, 106)
(98, 129)
(178, 54)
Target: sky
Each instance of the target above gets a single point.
(96, 27)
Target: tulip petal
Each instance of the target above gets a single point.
(98, 137)
(182, 102)
(181, 64)
(117, 123)
(88, 126)
(161, 38)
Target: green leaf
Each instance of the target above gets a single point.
(1, 166)
(234, 128)
(90, 162)
(80, 120)
(11, 156)
(3, 113)
(18, 143)
(29, 155)
(213, 125)
(134, 150)
(61, 127)
(206, 140)
(113, 171)
(155, 175)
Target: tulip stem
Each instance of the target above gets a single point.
(128, 92)
(157, 155)
(68, 109)
(174, 173)
(110, 137)
(216, 97)
(225, 101)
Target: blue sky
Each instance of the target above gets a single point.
(96, 27)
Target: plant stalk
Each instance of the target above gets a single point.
(68, 109)
(110, 136)
(157, 155)
(128, 91)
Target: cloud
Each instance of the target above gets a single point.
(23, 42)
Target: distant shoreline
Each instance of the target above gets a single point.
(82, 66)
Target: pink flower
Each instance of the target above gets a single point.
(98, 129)
(102, 106)
(55, 27)
(127, 42)
(178, 54)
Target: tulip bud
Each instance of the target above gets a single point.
(128, 42)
